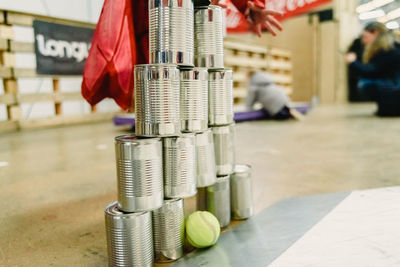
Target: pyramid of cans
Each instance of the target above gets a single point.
(184, 139)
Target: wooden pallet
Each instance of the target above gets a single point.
(244, 58)
(10, 74)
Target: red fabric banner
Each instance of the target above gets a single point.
(236, 22)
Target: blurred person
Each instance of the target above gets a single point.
(121, 41)
(356, 47)
(379, 69)
(396, 34)
(273, 99)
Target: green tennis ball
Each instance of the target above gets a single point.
(202, 229)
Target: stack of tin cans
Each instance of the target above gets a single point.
(183, 142)
(208, 29)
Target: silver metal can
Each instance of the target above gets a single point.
(206, 170)
(241, 192)
(224, 146)
(208, 37)
(171, 32)
(179, 166)
(190, 205)
(194, 100)
(157, 100)
(220, 95)
(218, 200)
(196, 202)
(129, 237)
(139, 172)
(169, 231)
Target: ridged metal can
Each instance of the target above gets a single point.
(218, 200)
(220, 95)
(208, 37)
(129, 237)
(224, 146)
(241, 192)
(139, 173)
(157, 100)
(194, 100)
(206, 170)
(169, 231)
(196, 202)
(179, 166)
(171, 32)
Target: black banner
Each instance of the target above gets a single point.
(61, 49)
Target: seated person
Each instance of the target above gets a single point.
(379, 70)
(273, 99)
(396, 34)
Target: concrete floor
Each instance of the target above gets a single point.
(57, 182)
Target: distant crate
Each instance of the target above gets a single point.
(12, 98)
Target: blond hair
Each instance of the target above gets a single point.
(396, 34)
(383, 42)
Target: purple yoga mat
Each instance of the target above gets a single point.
(250, 115)
(262, 114)
(239, 116)
(123, 120)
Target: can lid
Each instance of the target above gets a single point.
(185, 140)
(241, 168)
(136, 140)
(172, 203)
(112, 210)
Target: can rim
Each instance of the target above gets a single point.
(185, 68)
(222, 178)
(134, 139)
(206, 132)
(182, 135)
(168, 204)
(209, 7)
(220, 70)
(171, 200)
(113, 211)
(241, 168)
(155, 4)
(219, 129)
(156, 65)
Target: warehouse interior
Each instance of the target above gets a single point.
(58, 159)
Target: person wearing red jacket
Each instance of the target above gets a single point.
(121, 41)
(257, 15)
